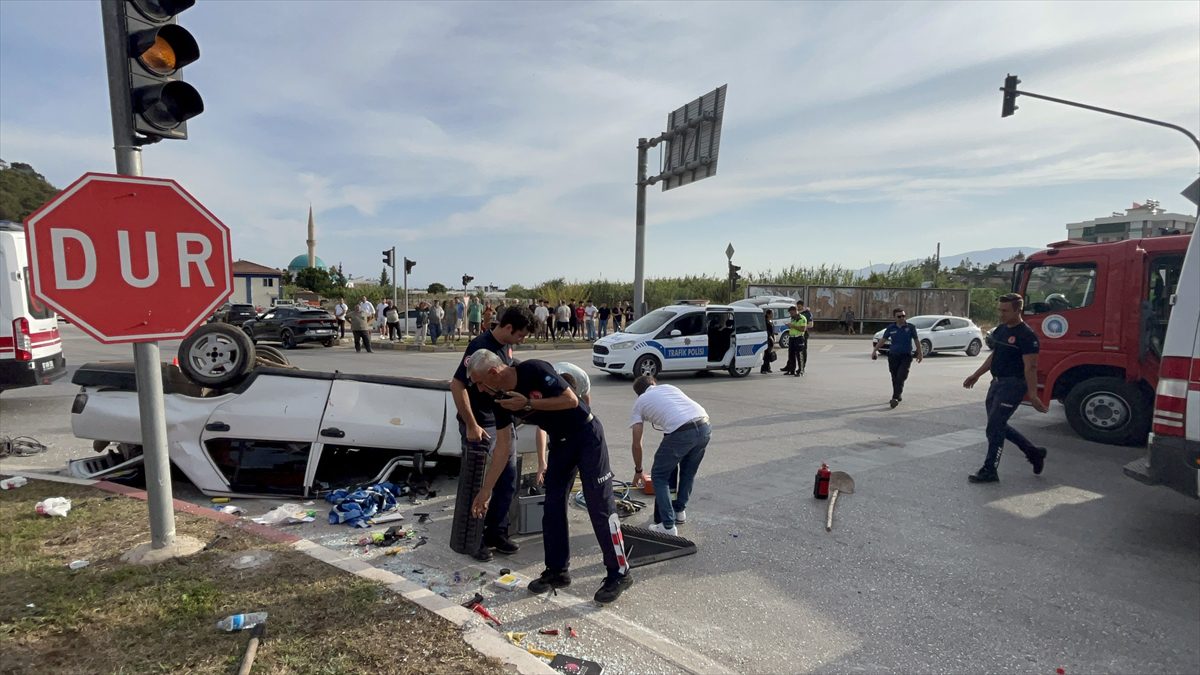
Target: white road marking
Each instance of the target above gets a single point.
(1038, 504)
(685, 658)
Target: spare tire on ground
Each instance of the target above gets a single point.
(269, 356)
(217, 355)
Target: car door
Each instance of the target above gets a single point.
(373, 421)
(262, 440)
(682, 343)
(719, 330)
(939, 335)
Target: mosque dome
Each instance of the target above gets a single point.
(301, 262)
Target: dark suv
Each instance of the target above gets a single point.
(234, 313)
(292, 326)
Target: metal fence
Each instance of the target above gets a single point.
(829, 303)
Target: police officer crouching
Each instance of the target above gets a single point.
(535, 393)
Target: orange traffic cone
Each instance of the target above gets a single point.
(175, 361)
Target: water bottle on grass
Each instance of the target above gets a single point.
(237, 622)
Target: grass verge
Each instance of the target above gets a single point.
(111, 617)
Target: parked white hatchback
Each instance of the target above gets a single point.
(943, 333)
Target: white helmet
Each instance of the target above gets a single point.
(583, 384)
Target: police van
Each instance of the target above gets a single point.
(691, 337)
(30, 346)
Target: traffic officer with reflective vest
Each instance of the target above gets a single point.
(796, 329)
(532, 391)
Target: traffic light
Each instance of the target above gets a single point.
(387, 257)
(1010, 96)
(157, 48)
(733, 275)
(467, 279)
(408, 265)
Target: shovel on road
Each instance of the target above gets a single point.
(839, 481)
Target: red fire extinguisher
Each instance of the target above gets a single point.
(821, 482)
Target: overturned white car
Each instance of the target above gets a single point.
(270, 430)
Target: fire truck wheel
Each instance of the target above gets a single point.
(1108, 410)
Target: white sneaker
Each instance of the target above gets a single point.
(657, 527)
(681, 517)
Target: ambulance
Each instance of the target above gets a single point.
(686, 337)
(30, 347)
(1173, 457)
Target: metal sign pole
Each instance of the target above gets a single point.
(639, 252)
(406, 321)
(147, 361)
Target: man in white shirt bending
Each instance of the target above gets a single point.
(686, 432)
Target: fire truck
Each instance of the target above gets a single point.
(1101, 312)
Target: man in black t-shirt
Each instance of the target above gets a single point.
(477, 423)
(1013, 364)
(533, 392)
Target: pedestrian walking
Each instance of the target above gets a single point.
(797, 326)
(686, 433)
(903, 342)
(477, 424)
(848, 320)
(1013, 365)
(533, 392)
(360, 328)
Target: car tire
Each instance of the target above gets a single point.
(783, 340)
(646, 365)
(926, 348)
(327, 343)
(216, 355)
(1109, 410)
(271, 355)
(974, 348)
(288, 340)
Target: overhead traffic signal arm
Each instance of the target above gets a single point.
(408, 265)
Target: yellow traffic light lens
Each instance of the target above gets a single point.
(160, 57)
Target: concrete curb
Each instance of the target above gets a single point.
(479, 635)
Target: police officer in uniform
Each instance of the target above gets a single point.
(477, 423)
(1013, 364)
(902, 344)
(796, 329)
(534, 392)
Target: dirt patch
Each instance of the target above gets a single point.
(110, 617)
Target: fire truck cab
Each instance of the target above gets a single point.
(1102, 312)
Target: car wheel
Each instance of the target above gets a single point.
(288, 340)
(271, 356)
(646, 365)
(327, 343)
(217, 355)
(783, 340)
(738, 372)
(1108, 410)
(926, 348)
(974, 348)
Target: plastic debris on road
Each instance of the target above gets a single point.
(285, 514)
(250, 559)
(54, 506)
(13, 483)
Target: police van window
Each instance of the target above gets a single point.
(651, 322)
(749, 322)
(1058, 288)
(37, 309)
(688, 324)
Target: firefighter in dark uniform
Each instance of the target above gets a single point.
(1013, 364)
(535, 393)
(477, 423)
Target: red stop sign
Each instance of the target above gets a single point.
(129, 259)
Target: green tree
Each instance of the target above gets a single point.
(436, 289)
(22, 191)
(518, 291)
(384, 280)
(314, 279)
(337, 279)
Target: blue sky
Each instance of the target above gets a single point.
(499, 139)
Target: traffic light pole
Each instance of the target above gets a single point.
(405, 315)
(146, 355)
(639, 251)
(1147, 120)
